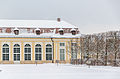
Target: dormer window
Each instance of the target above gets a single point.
(58, 19)
(73, 31)
(37, 31)
(61, 31)
(16, 31)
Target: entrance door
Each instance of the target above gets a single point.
(16, 53)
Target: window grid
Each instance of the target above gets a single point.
(38, 52)
(5, 52)
(48, 52)
(16, 52)
(62, 44)
(27, 52)
(62, 54)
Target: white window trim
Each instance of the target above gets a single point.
(65, 54)
(20, 50)
(41, 50)
(2, 50)
(71, 50)
(56, 50)
(45, 50)
(62, 47)
(31, 50)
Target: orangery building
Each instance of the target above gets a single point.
(37, 41)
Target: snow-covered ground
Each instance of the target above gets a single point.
(62, 71)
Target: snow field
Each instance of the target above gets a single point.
(62, 71)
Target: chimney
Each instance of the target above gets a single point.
(37, 31)
(61, 31)
(73, 31)
(58, 19)
(16, 31)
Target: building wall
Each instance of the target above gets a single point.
(33, 42)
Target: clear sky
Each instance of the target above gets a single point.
(91, 16)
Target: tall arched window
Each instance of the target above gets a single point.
(48, 52)
(5, 52)
(27, 52)
(38, 52)
(16, 52)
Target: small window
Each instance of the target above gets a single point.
(74, 44)
(62, 44)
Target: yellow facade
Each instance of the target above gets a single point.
(33, 42)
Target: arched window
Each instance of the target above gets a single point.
(16, 52)
(38, 52)
(27, 52)
(48, 52)
(5, 52)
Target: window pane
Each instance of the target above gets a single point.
(62, 50)
(38, 45)
(48, 52)
(36, 49)
(18, 50)
(3, 56)
(29, 50)
(74, 55)
(7, 50)
(29, 56)
(14, 50)
(26, 56)
(25, 50)
(39, 49)
(18, 56)
(62, 44)
(27, 45)
(3, 50)
(48, 56)
(74, 44)
(38, 57)
(16, 45)
(5, 45)
(7, 56)
(48, 45)
(62, 54)
(14, 56)
(48, 49)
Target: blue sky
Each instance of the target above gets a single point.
(91, 16)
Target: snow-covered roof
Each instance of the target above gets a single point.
(37, 29)
(43, 35)
(16, 28)
(73, 29)
(36, 24)
(60, 29)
